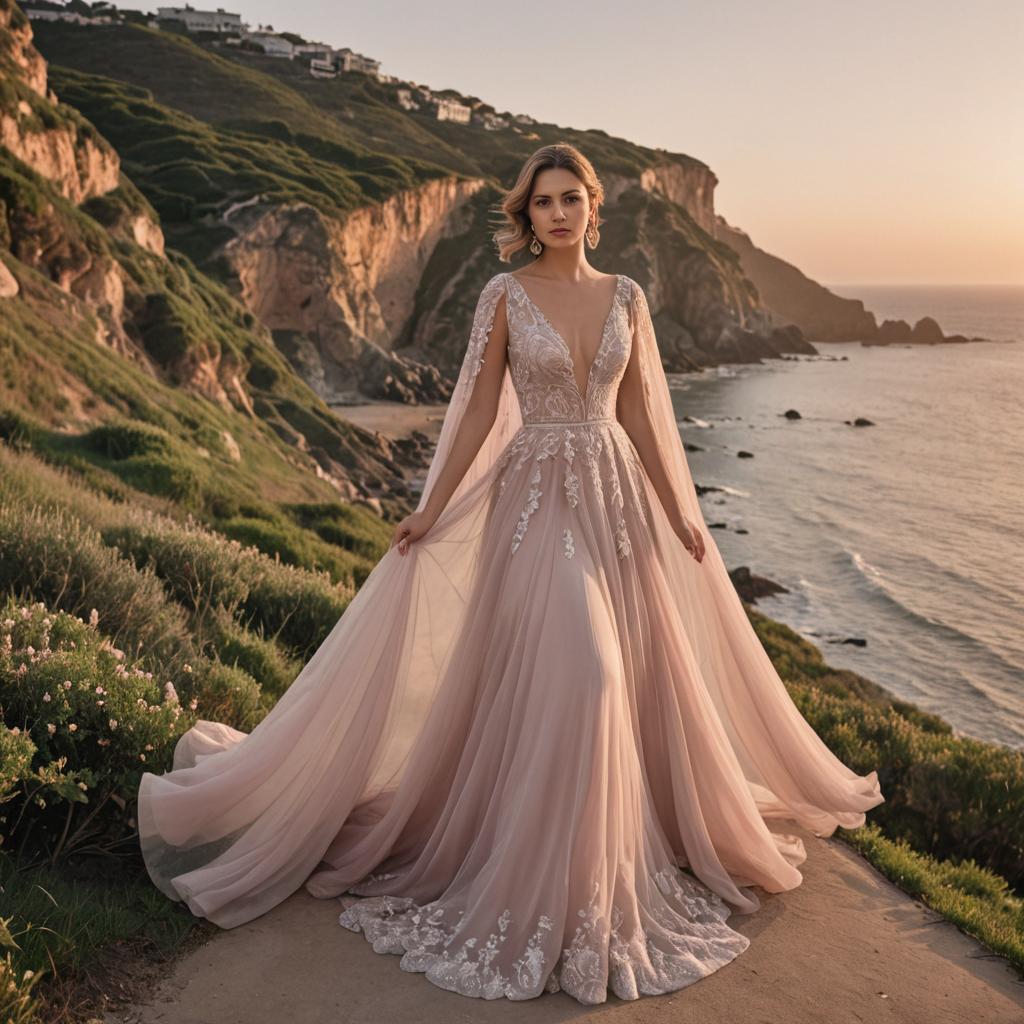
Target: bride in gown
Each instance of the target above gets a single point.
(540, 749)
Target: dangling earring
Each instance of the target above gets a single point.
(536, 246)
(592, 235)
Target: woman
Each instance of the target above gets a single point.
(542, 743)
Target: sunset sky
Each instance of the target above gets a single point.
(868, 143)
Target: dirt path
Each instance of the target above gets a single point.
(845, 947)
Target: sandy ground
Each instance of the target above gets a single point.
(395, 419)
(845, 947)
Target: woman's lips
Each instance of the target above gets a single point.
(560, 231)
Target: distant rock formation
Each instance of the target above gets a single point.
(751, 587)
(790, 297)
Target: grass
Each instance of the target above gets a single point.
(979, 902)
(87, 933)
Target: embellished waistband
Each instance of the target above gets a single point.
(570, 423)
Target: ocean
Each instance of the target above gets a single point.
(907, 533)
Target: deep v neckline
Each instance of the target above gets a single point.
(583, 395)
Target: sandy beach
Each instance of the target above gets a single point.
(395, 419)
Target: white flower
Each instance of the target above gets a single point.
(72, 727)
(67, 684)
(15, 731)
(193, 703)
(47, 697)
(99, 689)
(94, 617)
(51, 728)
(113, 723)
(142, 757)
(170, 693)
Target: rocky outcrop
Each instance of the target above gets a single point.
(338, 294)
(77, 164)
(16, 47)
(54, 140)
(9, 286)
(687, 183)
(56, 143)
(750, 586)
(147, 234)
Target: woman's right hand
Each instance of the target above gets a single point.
(409, 530)
(692, 538)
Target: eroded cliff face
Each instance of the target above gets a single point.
(16, 46)
(686, 183)
(338, 294)
(47, 138)
(54, 142)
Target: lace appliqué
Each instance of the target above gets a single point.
(592, 446)
(572, 481)
(622, 544)
(483, 324)
(398, 925)
(532, 504)
(691, 922)
(567, 540)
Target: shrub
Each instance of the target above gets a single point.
(205, 571)
(50, 556)
(228, 694)
(79, 723)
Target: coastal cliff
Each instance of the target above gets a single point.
(368, 285)
(107, 325)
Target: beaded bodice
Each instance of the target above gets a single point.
(541, 364)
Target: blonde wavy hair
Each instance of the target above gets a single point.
(514, 232)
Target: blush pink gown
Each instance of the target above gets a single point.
(540, 751)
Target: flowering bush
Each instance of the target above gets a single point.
(78, 726)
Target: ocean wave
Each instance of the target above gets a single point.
(967, 641)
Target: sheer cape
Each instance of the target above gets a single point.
(242, 821)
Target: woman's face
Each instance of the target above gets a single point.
(559, 207)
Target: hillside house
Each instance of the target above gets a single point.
(203, 21)
(453, 110)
